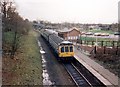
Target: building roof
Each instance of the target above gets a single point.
(65, 30)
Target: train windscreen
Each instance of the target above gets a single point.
(66, 49)
(62, 49)
(71, 49)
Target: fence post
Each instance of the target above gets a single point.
(104, 49)
(81, 42)
(95, 50)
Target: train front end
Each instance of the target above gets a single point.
(66, 50)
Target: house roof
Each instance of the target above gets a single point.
(65, 30)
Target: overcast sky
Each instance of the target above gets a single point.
(82, 11)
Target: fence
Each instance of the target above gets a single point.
(103, 47)
(100, 43)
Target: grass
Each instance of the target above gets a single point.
(32, 60)
(90, 39)
(105, 41)
(94, 39)
(101, 31)
(26, 67)
(8, 37)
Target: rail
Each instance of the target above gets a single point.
(81, 76)
(77, 77)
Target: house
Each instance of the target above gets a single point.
(69, 34)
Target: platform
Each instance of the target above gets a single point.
(104, 75)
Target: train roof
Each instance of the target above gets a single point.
(52, 31)
(66, 43)
(49, 32)
(58, 40)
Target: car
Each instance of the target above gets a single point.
(104, 34)
(89, 33)
(97, 34)
(117, 33)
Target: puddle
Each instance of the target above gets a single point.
(46, 80)
(43, 60)
(42, 52)
(45, 75)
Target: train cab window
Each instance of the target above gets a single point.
(66, 49)
(62, 49)
(71, 49)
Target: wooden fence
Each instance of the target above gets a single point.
(103, 47)
(100, 43)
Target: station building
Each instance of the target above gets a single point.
(69, 34)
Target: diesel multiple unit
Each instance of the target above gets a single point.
(63, 48)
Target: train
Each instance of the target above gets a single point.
(64, 49)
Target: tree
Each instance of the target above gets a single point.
(13, 22)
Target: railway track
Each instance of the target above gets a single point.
(77, 77)
(81, 76)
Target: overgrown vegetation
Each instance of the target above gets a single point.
(109, 60)
(26, 67)
(21, 64)
(14, 26)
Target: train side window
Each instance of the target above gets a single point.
(62, 49)
(66, 49)
(71, 49)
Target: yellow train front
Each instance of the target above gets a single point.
(66, 50)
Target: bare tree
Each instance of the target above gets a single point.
(13, 22)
